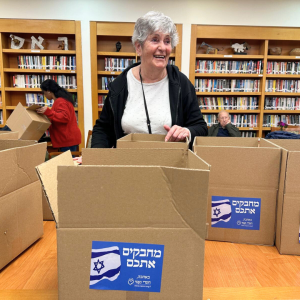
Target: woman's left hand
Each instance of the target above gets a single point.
(41, 110)
(176, 133)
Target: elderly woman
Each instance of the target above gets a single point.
(150, 96)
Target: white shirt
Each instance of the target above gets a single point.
(134, 118)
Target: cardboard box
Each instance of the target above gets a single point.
(154, 197)
(142, 140)
(29, 124)
(242, 189)
(21, 219)
(8, 135)
(288, 208)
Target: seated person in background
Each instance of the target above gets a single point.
(150, 96)
(224, 127)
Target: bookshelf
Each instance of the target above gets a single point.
(104, 36)
(23, 62)
(276, 81)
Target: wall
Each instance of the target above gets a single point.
(186, 12)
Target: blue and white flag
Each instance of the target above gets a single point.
(105, 264)
(220, 211)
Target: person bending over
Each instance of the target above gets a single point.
(224, 126)
(150, 96)
(64, 131)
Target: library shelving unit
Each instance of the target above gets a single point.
(107, 63)
(49, 30)
(273, 101)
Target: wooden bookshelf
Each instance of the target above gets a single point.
(50, 30)
(261, 39)
(104, 36)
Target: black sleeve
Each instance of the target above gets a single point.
(233, 131)
(103, 132)
(193, 117)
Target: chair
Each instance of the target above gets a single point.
(75, 153)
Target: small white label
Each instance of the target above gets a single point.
(47, 70)
(297, 56)
(227, 55)
(260, 75)
(112, 72)
(35, 50)
(72, 71)
(250, 128)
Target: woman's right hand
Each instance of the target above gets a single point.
(41, 110)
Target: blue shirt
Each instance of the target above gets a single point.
(223, 132)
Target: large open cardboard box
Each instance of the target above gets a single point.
(243, 188)
(288, 208)
(148, 196)
(142, 140)
(29, 124)
(21, 218)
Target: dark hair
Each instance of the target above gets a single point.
(51, 86)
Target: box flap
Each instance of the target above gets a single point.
(47, 173)
(8, 144)
(141, 140)
(34, 107)
(9, 135)
(196, 162)
(132, 197)
(291, 145)
(243, 167)
(38, 118)
(230, 141)
(292, 173)
(137, 157)
(18, 166)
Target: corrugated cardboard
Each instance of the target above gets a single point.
(246, 168)
(21, 219)
(135, 196)
(8, 135)
(288, 209)
(29, 124)
(141, 140)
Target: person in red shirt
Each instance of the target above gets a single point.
(64, 131)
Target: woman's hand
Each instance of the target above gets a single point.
(41, 110)
(176, 133)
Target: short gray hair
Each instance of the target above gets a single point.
(151, 22)
(223, 111)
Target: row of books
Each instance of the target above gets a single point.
(283, 67)
(118, 64)
(227, 85)
(272, 120)
(0, 99)
(282, 103)
(37, 98)
(239, 120)
(1, 117)
(249, 133)
(101, 100)
(34, 81)
(283, 85)
(105, 81)
(229, 66)
(219, 103)
(46, 62)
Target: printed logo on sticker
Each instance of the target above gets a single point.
(235, 212)
(126, 266)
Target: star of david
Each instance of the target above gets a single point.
(217, 211)
(98, 266)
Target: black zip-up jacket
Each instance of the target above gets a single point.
(185, 111)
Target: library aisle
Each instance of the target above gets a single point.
(231, 271)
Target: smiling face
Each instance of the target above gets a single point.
(155, 51)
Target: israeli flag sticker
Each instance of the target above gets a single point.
(235, 212)
(126, 266)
